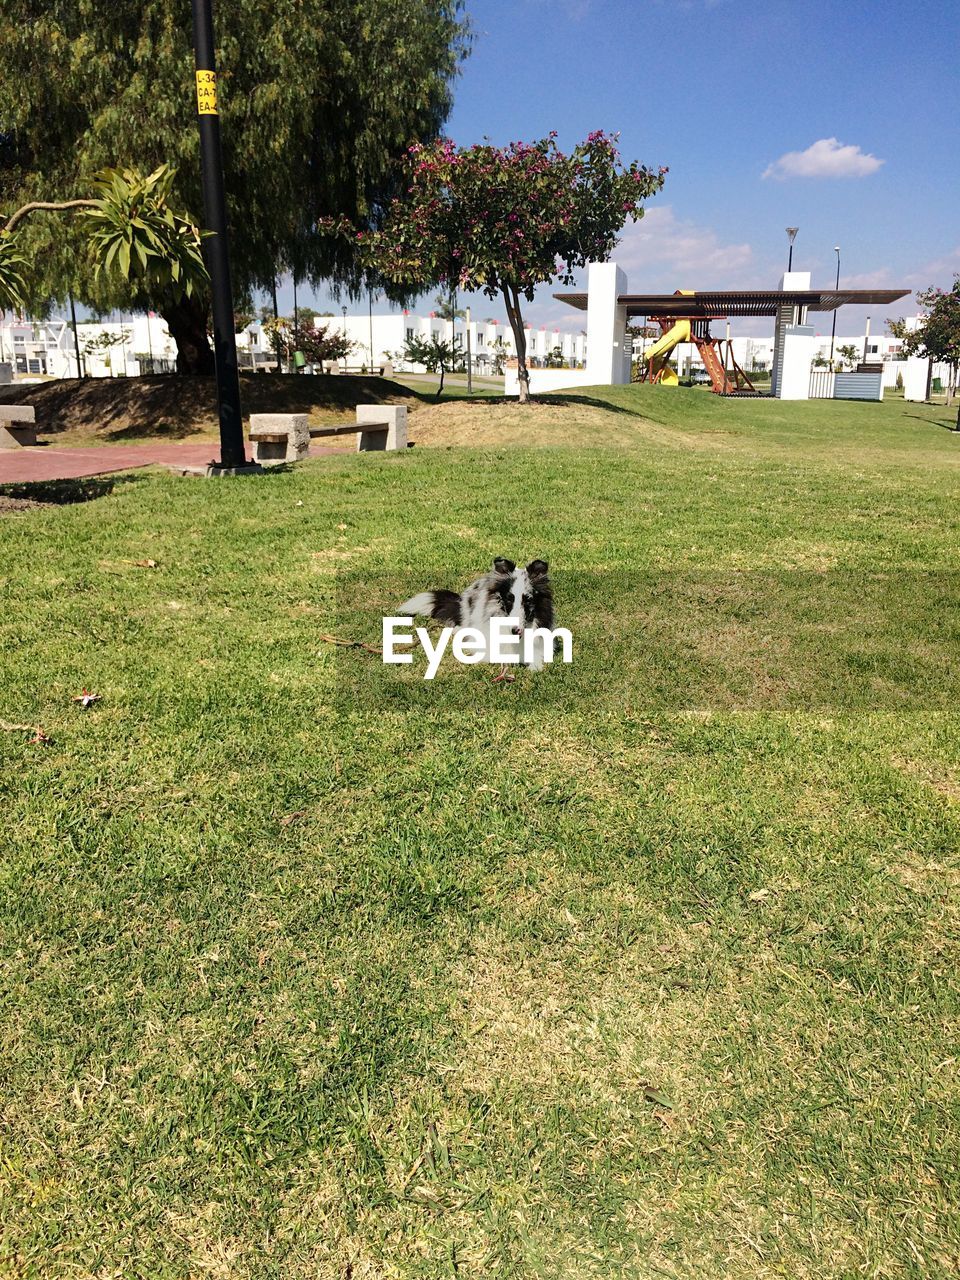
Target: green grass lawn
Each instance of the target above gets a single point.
(642, 967)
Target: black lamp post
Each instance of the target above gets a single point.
(216, 246)
(833, 327)
(76, 338)
(791, 236)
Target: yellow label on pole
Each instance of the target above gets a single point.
(207, 93)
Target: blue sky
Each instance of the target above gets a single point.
(839, 118)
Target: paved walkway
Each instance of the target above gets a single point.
(47, 462)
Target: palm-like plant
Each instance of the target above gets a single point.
(134, 232)
(13, 287)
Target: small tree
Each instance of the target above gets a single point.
(498, 354)
(323, 344)
(317, 344)
(847, 355)
(507, 219)
(102, 345)
(820, 361)
(938, 338)
(433, 353)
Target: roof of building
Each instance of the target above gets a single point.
(740, 302)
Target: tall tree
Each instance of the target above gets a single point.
(506, 219)
(319, 98)
(446, 307)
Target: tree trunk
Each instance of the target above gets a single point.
(187, 321)
(440, 388)
(519, 340)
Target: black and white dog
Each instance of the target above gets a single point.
(523, 595)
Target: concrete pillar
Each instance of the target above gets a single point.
(608, 361)
(798, 350)
(788, 315)
(916, 378)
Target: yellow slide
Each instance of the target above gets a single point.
(656, 356)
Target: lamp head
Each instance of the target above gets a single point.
(792, 233)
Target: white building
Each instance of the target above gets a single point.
(380, 339)
(124, 348)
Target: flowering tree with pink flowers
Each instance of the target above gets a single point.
(506, 219)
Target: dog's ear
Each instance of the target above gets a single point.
(537, 568)
(503, 565)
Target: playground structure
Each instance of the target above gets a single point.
(686, 316)
(726, 376)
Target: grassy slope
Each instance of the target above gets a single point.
(111, 410)
(310, 973)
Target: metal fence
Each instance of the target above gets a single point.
(821, 384)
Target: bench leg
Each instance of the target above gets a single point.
(372, 438)
(386, 425)
(269, 451)
(14, 437)
(298, 445)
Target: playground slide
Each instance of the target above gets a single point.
(656, 356)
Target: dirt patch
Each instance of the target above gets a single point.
(10, 505)
(110, 410)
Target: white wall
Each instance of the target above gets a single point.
(799, 345)
(544, 380)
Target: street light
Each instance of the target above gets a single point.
(791, 236)
(833, 327)
(232, 450)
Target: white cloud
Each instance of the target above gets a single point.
(826, 158)
(882, 278)
(664, 251)
(941, 269)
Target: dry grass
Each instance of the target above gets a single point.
(549, 422)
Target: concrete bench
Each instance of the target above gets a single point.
(18, 425)
(279, 437)
(285, 437)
